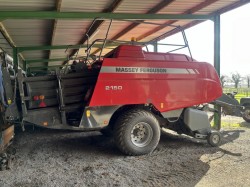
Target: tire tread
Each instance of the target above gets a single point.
(121, 124)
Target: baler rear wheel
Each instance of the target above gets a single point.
(137, 132)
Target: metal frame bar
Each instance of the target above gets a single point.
(95, 25)
(146, 43)
(155, 45)
(31, 61)
(44, 67)
(91, 15)
(217, 43)
(154, 10)
(15, 58)
(217, 115)
(50, 47)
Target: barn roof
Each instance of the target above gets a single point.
(32, 23)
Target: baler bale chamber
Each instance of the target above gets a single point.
(57, 99)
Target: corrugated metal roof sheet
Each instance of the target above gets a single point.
(71, 32)
(179, 6)
(30, 33)
(216, 6)
(84, 6)
(4, 45)
(132, 6)
(27, 5)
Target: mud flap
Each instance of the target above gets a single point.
(6, 153)
(6, 137)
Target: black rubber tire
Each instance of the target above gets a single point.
(246, 114)
(214, 139)
(127, 122)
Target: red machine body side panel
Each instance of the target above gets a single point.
(168, 85)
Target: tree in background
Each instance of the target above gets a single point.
(248, 81)
(236, 78)
(223, 80)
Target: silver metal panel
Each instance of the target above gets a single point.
(99, 116)
(196, 120)
(172, 114)
(145, 70)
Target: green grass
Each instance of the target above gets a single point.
(225, 124)
(242, 92)
(232, 124)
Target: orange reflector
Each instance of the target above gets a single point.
(105, 122)
(162, 105)
(36, 98)
(9, 101)
(41, 97)
(133, 39)
(45, 123)
(88, 113)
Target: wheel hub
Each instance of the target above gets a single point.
(141, 134)
(216, 138)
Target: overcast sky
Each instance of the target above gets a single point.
(235, 41)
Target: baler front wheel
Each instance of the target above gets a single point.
(214, 139)
(137, 132)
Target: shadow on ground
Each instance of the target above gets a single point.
(245, 124)
(62, 158)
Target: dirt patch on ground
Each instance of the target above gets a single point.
(51, 158)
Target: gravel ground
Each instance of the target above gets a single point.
(60, 158)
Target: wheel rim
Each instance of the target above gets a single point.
(141, 134)
(247, 113)
(215, 138)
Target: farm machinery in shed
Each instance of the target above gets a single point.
(129, 92)
(231, 106)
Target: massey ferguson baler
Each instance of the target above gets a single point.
(128, 93)
(131, 93)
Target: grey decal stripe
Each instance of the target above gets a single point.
(197, 71)
(148, 70)
(191, 71)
